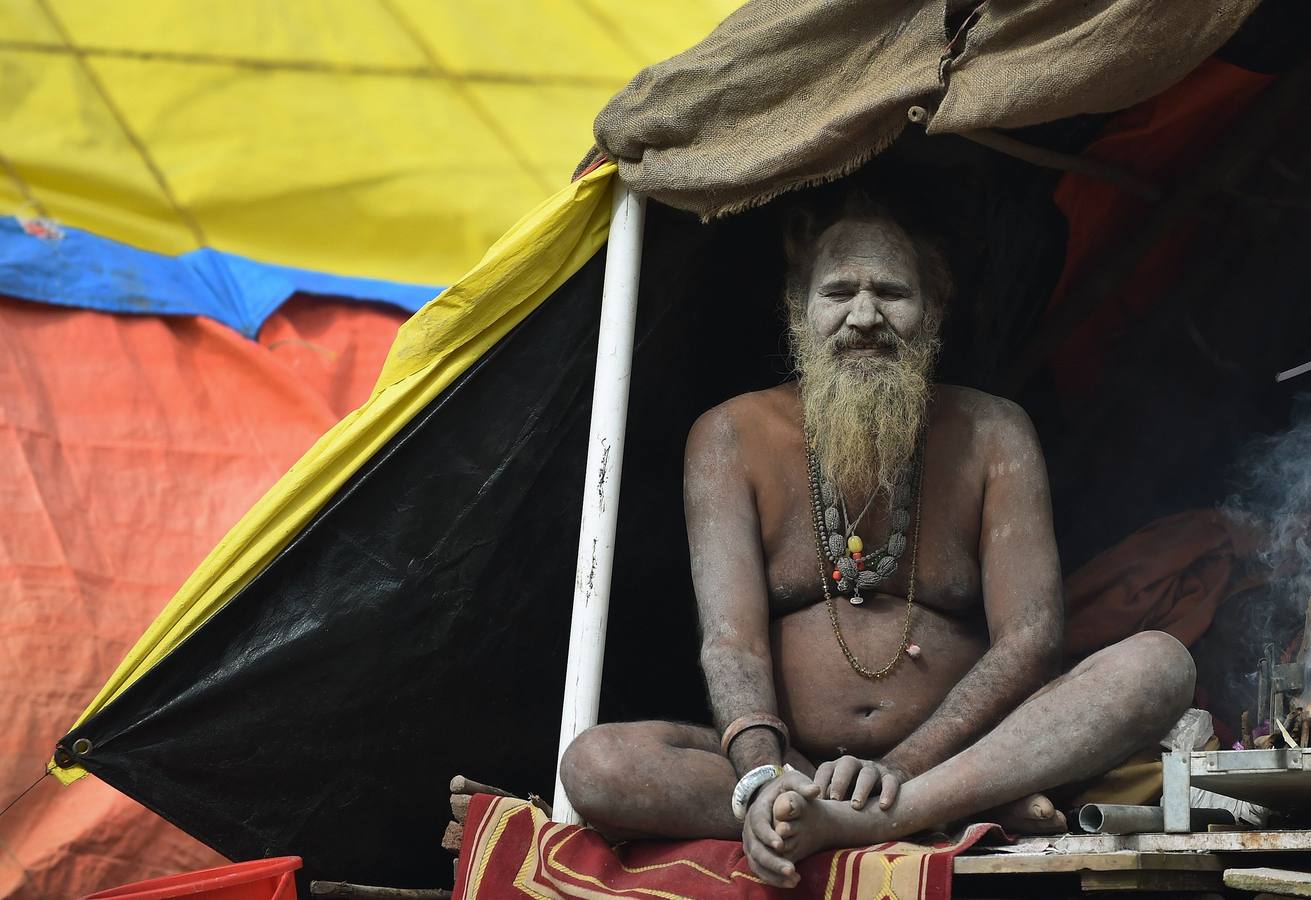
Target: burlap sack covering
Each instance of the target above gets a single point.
(786, 93)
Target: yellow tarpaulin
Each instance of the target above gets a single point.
(392, 139)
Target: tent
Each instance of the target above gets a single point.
(213, 218)
(393, 610)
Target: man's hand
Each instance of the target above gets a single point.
(763, 845)
(848, 776)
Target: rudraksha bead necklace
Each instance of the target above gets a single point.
(905, 646)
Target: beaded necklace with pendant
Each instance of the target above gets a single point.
(851, 568)
(824, 550)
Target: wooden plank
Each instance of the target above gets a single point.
(1123, 860)
(1150, 881)
(1211, 841)
(1275, 881)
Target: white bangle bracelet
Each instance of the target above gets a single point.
(748, 785)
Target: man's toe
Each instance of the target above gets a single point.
(1044, 817)
(1035, 814)
(1041, 808)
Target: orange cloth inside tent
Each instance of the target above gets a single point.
(1158, 140)
(128, 446)
(1170, 575)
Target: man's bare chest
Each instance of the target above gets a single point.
(943, 549)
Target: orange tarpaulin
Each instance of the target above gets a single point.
(128, 446)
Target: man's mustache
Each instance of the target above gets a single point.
(879, 340)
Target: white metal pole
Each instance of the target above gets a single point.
(605, 464)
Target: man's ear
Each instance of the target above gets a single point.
(935, 277)
(798, 236)
(798, 249)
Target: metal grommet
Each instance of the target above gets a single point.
(64, 759)
(82, 746)
(918, 114)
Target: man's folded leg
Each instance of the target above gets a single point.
(1085, 722)
(651, 779)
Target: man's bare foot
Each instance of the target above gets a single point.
(1033, 814)
(808, 826)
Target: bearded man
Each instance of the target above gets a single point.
(879, 593)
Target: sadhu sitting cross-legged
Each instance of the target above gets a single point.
(879, 595)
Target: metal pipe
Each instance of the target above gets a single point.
(1293, 372)
(1117, 818)
(605, 456)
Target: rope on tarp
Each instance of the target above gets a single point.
(27, 790)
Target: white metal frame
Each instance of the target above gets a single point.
(605, 464)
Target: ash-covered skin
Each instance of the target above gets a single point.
(968, 726)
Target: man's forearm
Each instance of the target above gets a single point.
(1004, 678)
(741, 683)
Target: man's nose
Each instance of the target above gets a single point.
(864, 313)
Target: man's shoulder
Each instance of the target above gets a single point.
(744, 420)
(999, 429)
(980, 409)
(751, 410)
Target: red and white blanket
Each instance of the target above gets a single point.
(510, 849)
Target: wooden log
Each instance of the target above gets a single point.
(1274, 881)
(453, 835)
(462, 785)
(1051, 159)
(367, 892)
(460, 807)
(1066, 162)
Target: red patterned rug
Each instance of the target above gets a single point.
(511, 849)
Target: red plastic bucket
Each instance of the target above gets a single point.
(259, 879)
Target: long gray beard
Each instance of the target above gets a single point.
(864, 414)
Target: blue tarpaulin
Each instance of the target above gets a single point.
(71, 267)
